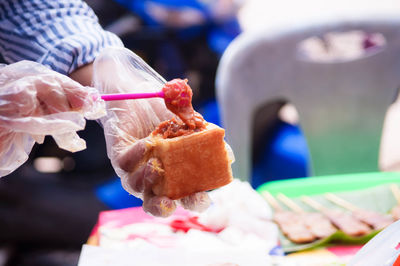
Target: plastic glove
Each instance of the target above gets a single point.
(128, 123)
(36, 101)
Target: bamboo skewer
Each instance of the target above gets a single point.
(376, 220)
(395, 212)
(271, 201)
(290, 223)
(316, 222)
(316, 205)
(344, 221)
(290, 203)
(341, 202)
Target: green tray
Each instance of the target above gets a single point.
(334, 183)
(367, 190)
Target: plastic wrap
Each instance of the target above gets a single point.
(128, 125)
(382, 250)
(36, 101)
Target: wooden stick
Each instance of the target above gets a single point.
(272, 201)
(290, 203)
(316, 205)
(341, 202)
(396, 192)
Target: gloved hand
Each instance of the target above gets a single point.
(36, 101)
(128, 123)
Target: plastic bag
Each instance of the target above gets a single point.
(36, 101)
(382, 250)
(129, 123)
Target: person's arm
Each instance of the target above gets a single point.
(83, 75)
(64, 35)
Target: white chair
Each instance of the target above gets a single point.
(341, 105)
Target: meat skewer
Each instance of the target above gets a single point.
(376, 220)
(342, 220)
(290, 223)
(316, 222)
(396, 210)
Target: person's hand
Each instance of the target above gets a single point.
(127, 125)
(36, 101)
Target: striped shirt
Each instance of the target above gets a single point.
(61, 34)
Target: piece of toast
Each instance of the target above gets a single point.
(192, 163)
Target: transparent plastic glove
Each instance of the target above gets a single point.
(128, 123)
(36, 101)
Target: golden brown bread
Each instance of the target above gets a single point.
(192, 163)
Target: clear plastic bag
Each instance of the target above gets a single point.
(36, 101)
(382, 250)
(128, 125)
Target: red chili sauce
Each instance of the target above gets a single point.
(178, 98)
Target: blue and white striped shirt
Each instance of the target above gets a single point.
(61, 34)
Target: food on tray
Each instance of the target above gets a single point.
(291, 223)
(304, 227)
(193, 152)
(376, 220)
(316, 223)
(355, 225)
(342, 220)
(293, 227)
(347, 223)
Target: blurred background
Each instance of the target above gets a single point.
(49, 205)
